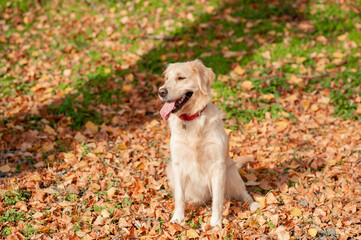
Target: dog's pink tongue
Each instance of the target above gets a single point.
(166, 110)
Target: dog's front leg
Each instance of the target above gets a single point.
(179, 200)
(218, 191)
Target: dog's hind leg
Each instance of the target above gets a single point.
(236, 189)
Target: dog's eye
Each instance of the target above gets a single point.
(181, 78)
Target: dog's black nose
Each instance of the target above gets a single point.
(162, 92)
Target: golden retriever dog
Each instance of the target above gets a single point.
(200, 168)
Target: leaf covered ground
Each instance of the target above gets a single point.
(83, 149)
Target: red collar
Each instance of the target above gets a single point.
(186, 117)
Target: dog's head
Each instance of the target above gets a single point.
(187, 88)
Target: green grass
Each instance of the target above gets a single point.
(93, 90)
(29, 231)
(10, 86)
(11, 198)
(12, 216)
(6, 231)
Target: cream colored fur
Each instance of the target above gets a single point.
(200, 167)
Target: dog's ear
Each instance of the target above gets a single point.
(165, 73)
(205, 76)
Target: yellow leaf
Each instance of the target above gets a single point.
(337, 54)
(122, 146)
(294, 80)
(300, 59)
(94, 186)
(312, 232)
(163, 57)
(127, 87)
(242, 172)
(129, 77)
(261, 201)
(295, 212)
(23, 61)
(67, 72)
(342, 37)
(239, 70)
(68, 155)
(321, 39)
(282, 124)
(35, 54)
(331, 162)
(91, 127)
(107, 70)
(45, 229)
(154, 123)
(191, 233)
(268, 97)
(247, 85)
(210, 9)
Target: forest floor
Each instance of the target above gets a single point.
(83, 148)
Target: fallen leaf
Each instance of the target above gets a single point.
(192, 233)
(239, 70)
(127, 87)
(282, 233)
(47, 147)
(266, 54)
(294, 80)
(5, 168)
(312, 232)
(45, 229)
(296, 212)
(337, 54)
(37, 215)
(271, 198)
(342, 37)
(91, 127)
(321, 39)
(121, 146)
(282, 124)
(99, 221)
(247, 85)
(49, 130)
(67, 72)
(94, 187)
(105, 213)
(79, 137)
(268, 97)
(111, 192)
(300, 59)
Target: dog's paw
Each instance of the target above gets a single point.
(215, 221)
(177, 218)
(254, 206)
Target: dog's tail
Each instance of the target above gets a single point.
(242, 160)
